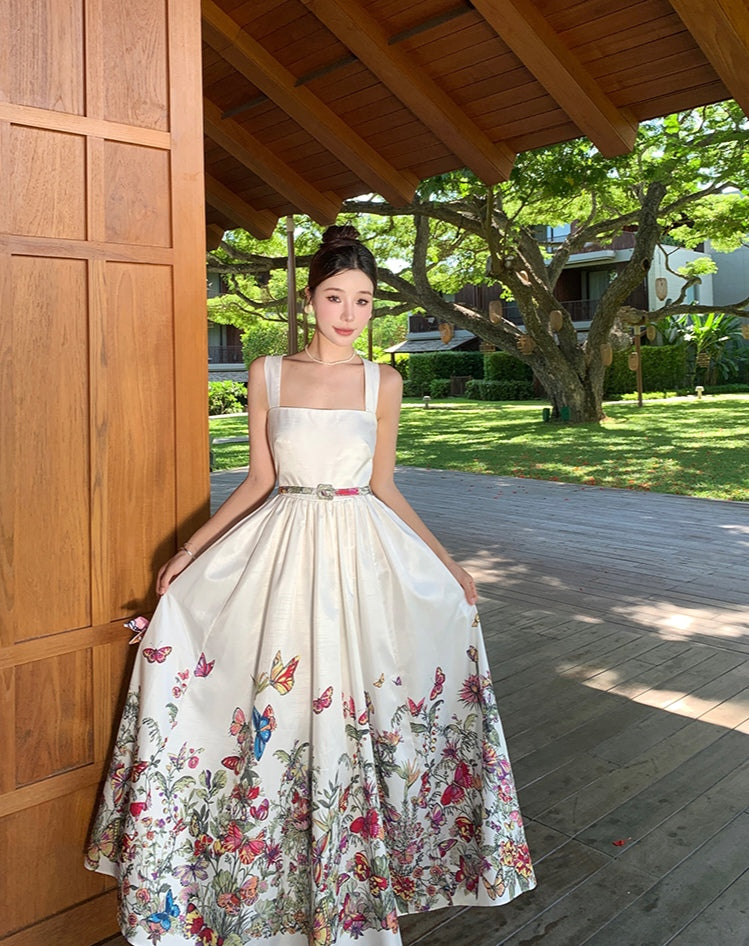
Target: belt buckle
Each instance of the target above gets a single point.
(325, 491)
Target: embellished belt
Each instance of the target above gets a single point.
(326, 490)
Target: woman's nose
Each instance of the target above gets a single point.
(348, 312)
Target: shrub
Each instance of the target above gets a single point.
(499, 390)
(501, 366)
(440, 387)
(461, 363)
(411, 389)
(664, 368)
(421, 373)
(226, 397)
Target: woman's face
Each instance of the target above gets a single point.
(343, 306)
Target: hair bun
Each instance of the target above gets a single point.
(345, 234)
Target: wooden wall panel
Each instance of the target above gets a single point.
(42, 59)
(44, 845)
(52, 204)
(46, 516)
(140, 463)
(136, 198)
(103, 426)
(54, 716)
(136, 91)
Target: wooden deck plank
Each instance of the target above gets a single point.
(683, 894)
(727, 914)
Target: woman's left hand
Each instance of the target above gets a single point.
(465, 581)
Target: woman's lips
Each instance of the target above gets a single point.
(345, 331)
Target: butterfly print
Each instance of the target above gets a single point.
(475, 620)
(246, 848)
(397, 681)
(455, 791)
(158, 656)
(260, 812)
(233, 762)
(203, 668)
(495, 889)
(164, 918)
(323, 701)
(415, 708)
(282, 677)
(138, 626)
(473, 653)
(239, 726)
(264, 725)
(444, 846)
(439, 679)
(380, 680)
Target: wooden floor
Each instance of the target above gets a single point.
(617, 625)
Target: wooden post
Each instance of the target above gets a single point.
(638, 348)
(291, 287)
(369, 339)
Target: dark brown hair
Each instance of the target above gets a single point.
(341, 249)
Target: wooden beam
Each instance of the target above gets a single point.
(721, 30)
(249, 58)
(357, 29)
(252, 153)
(542, 52)
(260, 223)
(214, 234)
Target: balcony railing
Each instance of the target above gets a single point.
(580, 310)
(225, 354)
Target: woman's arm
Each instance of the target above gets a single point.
(250, 493)
(383, 468)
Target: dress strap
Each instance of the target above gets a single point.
(371, 385)
(273, 379)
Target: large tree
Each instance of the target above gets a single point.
(686, 180)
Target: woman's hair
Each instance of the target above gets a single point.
(340, 249)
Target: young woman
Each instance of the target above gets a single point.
(310, 746)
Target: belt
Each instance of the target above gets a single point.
(326, 490)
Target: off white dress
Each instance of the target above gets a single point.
(310, 744)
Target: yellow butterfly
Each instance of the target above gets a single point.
(380, 680)
(282, 677)
(496, 889)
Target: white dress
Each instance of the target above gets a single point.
(310, 745)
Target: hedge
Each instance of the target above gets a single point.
(499, 390)
(501, 366)
(425, 368)
(439, 387)
(664, 368)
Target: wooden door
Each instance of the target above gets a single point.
(103, 427)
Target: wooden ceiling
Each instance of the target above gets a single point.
(310, 102)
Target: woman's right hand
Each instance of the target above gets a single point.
(168, 572)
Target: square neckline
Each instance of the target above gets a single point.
(274, 380)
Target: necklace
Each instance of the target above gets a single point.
(329, 364)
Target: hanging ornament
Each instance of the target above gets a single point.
(556, 318)
(495, 311)
(607, 354)
(446, 332)
(632, 361)
(523, 277)
(486, 346)
(661, 287)
(651, 331)
(526, 344)
(745, 329)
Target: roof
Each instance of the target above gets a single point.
(310, 102)
(415, 345)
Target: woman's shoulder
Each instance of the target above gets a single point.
(390, 378)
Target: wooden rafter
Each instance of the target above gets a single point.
(721, 30)
(529, 35)
(252, 153)
(357, 29)
(249, 58)
(260, 223)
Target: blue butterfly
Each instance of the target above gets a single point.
(264, 725)
(165, 917)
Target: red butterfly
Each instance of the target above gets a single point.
(439, 679)
(368, 826)
(323, 701)
(260, 812)
(444, 846)
(233, 762)
(462, 780)
(156, 656)
(203, 668)
(415, 708)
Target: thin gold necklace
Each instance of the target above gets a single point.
(330, 364)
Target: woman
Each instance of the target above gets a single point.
(310, 745)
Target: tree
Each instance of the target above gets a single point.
(685, 180)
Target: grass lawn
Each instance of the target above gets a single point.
(696, 448)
